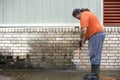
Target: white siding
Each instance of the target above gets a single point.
(44, 11)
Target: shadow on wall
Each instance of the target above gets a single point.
(52, 52)
(9, 62)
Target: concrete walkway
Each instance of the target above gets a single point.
(50, 75)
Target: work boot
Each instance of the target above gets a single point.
(90, 77)
(94, 73)
(95, 69)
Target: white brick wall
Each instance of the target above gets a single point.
(56, 48)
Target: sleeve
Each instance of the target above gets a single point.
(84, 21)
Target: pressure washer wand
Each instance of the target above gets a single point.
(80, 57)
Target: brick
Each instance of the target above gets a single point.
(113, 36)
(23, 35)
(113, 51)
(105, 64)
(77, 38)
(68, 38)
(119, 39)
(1, 35)
(105, 45)
(110, 42)
(115, 64)
(105, 51)
(110, 54)
(114, 39)
(16, 45)
(115, 45)
(24, 45)
(109, 67)
(58, 35)
(112, 57)
(7, 36)
(117, 67)
(75, 35)
(7, 44)
(16, 50)
(24, 51)
(118, 35)
(14, 42)
(2, 44)
(49, 36)
(23, 38)
(106, 38)
(60, 39)
(104, 58)
(117, 60)
(23, 48)
(118, 45)
(117, 54)
(57, 42)
(117, 42)
(103, 61)
(102, 67)
(110, 60)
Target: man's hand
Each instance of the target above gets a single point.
(81, 43)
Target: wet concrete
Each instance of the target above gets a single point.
(49, 75)
(4, 77)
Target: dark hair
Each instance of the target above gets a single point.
(78, 11)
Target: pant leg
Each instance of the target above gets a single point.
(95, 48)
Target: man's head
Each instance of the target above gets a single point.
(77, 12)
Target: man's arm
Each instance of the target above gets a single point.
(83, 35)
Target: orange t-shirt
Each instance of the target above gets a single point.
(89, 20)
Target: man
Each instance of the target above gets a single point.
(92, 31)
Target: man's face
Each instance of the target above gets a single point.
(77, 16)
